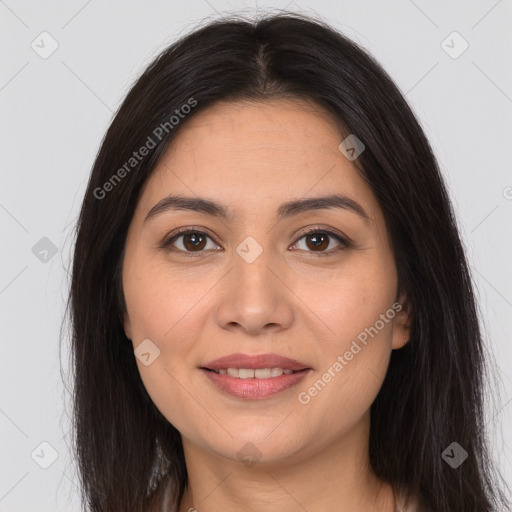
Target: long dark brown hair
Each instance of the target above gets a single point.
(434, 388)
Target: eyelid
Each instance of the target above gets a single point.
(324, 229)
(168, 239)
(344, 241)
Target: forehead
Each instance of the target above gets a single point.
(253, 155)
(258, 129)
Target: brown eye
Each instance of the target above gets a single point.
(194, 241)
(318, 241)
(188, 241)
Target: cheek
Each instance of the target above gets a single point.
(348, 381)
(364, 324)
(359, 314)
(159, 300)
(349, 299)
(166, 307)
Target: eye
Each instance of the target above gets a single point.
(192, 241)
(318, 240)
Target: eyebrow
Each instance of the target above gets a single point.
(295, 207)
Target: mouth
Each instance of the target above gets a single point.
(254, 377)
(251, 373)
(261, 363)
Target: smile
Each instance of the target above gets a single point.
(250, 373)
(254, 384)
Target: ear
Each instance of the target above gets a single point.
(403, 321)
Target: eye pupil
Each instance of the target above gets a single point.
(196, 239)
(319, 241)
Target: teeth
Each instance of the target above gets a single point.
(233, 372)
(244, 373)
(249, 373)
(263, 373)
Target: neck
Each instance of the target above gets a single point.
(336, 477)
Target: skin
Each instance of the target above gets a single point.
(291, 300)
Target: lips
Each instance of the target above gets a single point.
(245, 376)
(255, 362)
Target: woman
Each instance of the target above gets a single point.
(271, 305)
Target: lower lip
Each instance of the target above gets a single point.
(254, 389)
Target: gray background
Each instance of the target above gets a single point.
(55, 111)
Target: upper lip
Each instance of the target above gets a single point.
(254, 362)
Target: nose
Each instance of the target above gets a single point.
(255, 297)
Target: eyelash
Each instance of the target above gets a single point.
(168, 241)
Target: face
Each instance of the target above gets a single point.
(255, 282)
